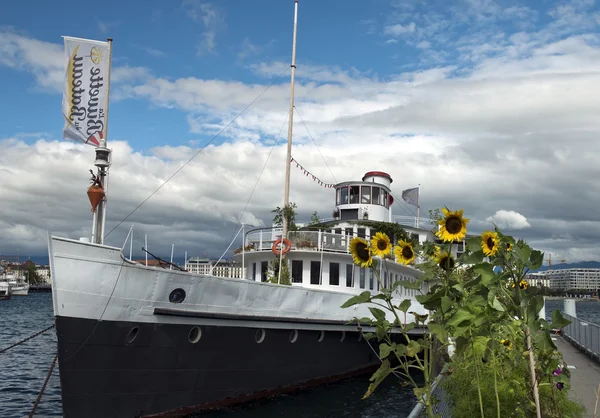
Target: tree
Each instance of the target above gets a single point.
(314, 219)
(290, 213)
(31, 273)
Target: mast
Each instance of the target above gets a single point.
(288, 161)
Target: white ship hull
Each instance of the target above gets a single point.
(19, 290)
(125, 349)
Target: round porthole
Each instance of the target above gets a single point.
(260, 336)
(343, 337)
(321, 336)
(132, 335)
(177, 295)
(293, 336)
(194, 335)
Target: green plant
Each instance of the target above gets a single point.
(273, 273)
(288, 212)
(482, 304)
(393, 230)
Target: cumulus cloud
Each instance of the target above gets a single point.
(502, 126)
(509, 219)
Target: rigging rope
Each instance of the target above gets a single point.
(39, 397)
(199, 151)
(4, 350)
(309, 174)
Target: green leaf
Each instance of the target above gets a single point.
(409, 326)
(400, 349)
(543, 341)
(446, 303)
(559, 321)
(474, 244)
(471, 258)
(377, 313)
(404, 305)
(480, 319)
(409, 284)
(523, 251)
(381, 332)
(459, 287)
(368, 336)
(497, 305)
(413, 348)
(536, 260)
(536, 303)
(384, 350)
(380, 374)
(486, 271)
(355, 300)
(462, 315)
(438, 330)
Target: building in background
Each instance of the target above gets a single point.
(222, 268)
(585, 279)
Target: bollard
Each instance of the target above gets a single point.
(569, 307)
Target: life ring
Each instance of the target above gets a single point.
(286, 242)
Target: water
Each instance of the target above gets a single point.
(23, 370)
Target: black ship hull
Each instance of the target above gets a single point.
(127, 369)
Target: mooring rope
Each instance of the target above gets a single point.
(39, 397)
(4, 350)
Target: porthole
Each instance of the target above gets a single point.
(194, 335)
(177, 295)
(132, 335)
(294, 336)
(321, 336)
(260, 336)
(343, 337)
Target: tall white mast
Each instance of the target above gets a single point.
(288, 162)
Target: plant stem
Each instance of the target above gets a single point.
(536, 395)
(475, 359)
(495, 379)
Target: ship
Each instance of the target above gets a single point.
(138, 340)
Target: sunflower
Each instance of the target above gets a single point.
(436, 252)
(489, 243)
(381, 244)
(361, 253)
(508, 246)
(453, 227)
(445, 261)
(522, 285)
(506, 343)
(404, 253)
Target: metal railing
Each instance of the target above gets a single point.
(413, 221)
(584, 335)
(263, 239)
(441, 408)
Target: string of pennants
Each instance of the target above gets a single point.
(309, 174)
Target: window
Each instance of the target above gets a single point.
(296, 271)
(264, 267)
(376, 195)
(361, 232)
(338, 195)
(253, 271)
(349, 271)
(344, 196)
(349, 232)
(371, 279)
(315, 272)
(415, 237)
(334, 274)
(362, 278)
(365, 194)
(338, 231)
(354, 192)
(385, 199)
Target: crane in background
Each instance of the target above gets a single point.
(549, 260)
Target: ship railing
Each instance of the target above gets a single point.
(413, 221)
(263, 240)
(584, 335)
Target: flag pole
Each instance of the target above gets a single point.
(103, 159)
(418, 206)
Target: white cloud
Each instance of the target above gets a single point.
(209, 17)
(509, 219)
(398, 29)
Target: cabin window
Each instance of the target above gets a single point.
(376, 195)
(338, 231)
(385, 199)
(297, 271)
(334, 274)
(344, 196)
(349, 271)
(338, 195)
(362, 278)
(365, 195)
(264, 267)
(354, 192)
(349, 232)
(361, 232)
(371, 279)
(385, 277)
(253, 271)
(315, 272)
(415, 237)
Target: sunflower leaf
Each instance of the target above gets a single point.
(384, 350)
(413, 348)
(534, 306)
(437, 329)
(380, 374)
(486, 271)
(404, 305)
(409, 284)
(559, 321)
(523, 251)
(536, 259)
(446, 303)
(497, 305)
(377, 313)
(471, 257)
(355, 300)
(461, 315)
(474, 243)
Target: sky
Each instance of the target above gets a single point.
(489, 105)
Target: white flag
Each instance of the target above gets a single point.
(85, 90)
(411, 196)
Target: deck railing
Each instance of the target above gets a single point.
(263, 239)
(583, 334)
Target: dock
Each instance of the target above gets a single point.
(585, 374)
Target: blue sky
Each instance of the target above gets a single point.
(488, 104)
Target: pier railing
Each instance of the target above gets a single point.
(584, 335)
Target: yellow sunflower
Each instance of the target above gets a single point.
(506, 343)
(453, 227)
(381, 245)
(404, 253)
(361, 253)
(508, 246)
(445, 261)
(522, 285)
(489, 243)
(436, 253)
